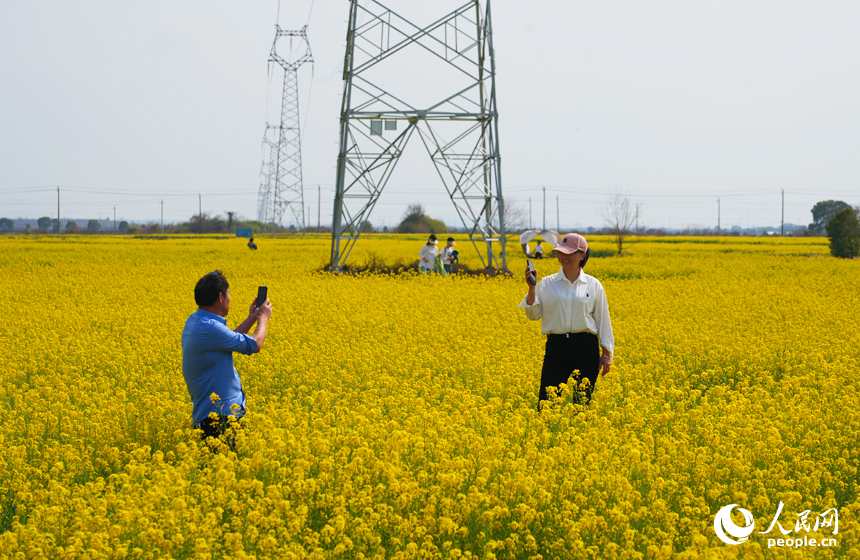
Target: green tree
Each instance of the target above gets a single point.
(93, 225)
(71, 224)
(123, 226)
(6, 224)
(416, 221)
(230, 216)
(844, 233)
(203, 223)
(367, 227)
(44, 222)
(823, 212)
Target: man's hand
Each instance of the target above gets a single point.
(264, 312)
(530, 297)
(605, 364)
(253, 317)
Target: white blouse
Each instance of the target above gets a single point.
(428, 252)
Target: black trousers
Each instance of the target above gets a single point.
(568, 352)
(214, 428)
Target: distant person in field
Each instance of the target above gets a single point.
(207, 353)
(539, 251)
(574, 315)
(252, 245)
(427, 255)
(447, 255)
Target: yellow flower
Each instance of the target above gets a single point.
(394, 416)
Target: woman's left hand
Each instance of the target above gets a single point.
(605, 364)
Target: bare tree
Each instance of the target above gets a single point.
(621, 218)
(416, 209)
(516, 215)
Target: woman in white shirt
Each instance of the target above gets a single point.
(574, 315)
(427, 255)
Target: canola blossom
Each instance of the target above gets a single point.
(394, 416)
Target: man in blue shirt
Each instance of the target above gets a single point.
(207, 353)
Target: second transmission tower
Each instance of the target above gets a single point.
(267, 174)
(284, 189)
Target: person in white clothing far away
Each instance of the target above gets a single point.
(427, 255)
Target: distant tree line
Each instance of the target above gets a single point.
(205, 223)
(834, 218)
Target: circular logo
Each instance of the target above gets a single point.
(723, 524)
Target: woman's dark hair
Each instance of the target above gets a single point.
(432, 237)
(207, 289)
(585, 258)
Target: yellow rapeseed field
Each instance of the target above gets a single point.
(395, 416)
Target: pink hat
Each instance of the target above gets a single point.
(571, 243)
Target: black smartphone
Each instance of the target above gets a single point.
(261, 296)
(532, 276)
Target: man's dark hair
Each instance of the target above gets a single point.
(207, 289)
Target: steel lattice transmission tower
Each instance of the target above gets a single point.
(282, 173)
(267, 174)
(457, 121)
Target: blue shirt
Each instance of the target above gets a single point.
(207, 364)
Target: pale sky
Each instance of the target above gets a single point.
(674, 103)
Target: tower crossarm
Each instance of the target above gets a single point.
(295, 64)
(412, 34)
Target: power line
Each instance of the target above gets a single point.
(27, 190)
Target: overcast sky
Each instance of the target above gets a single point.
(674, 103)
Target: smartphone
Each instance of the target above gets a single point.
(261, 296)
(532, 275)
